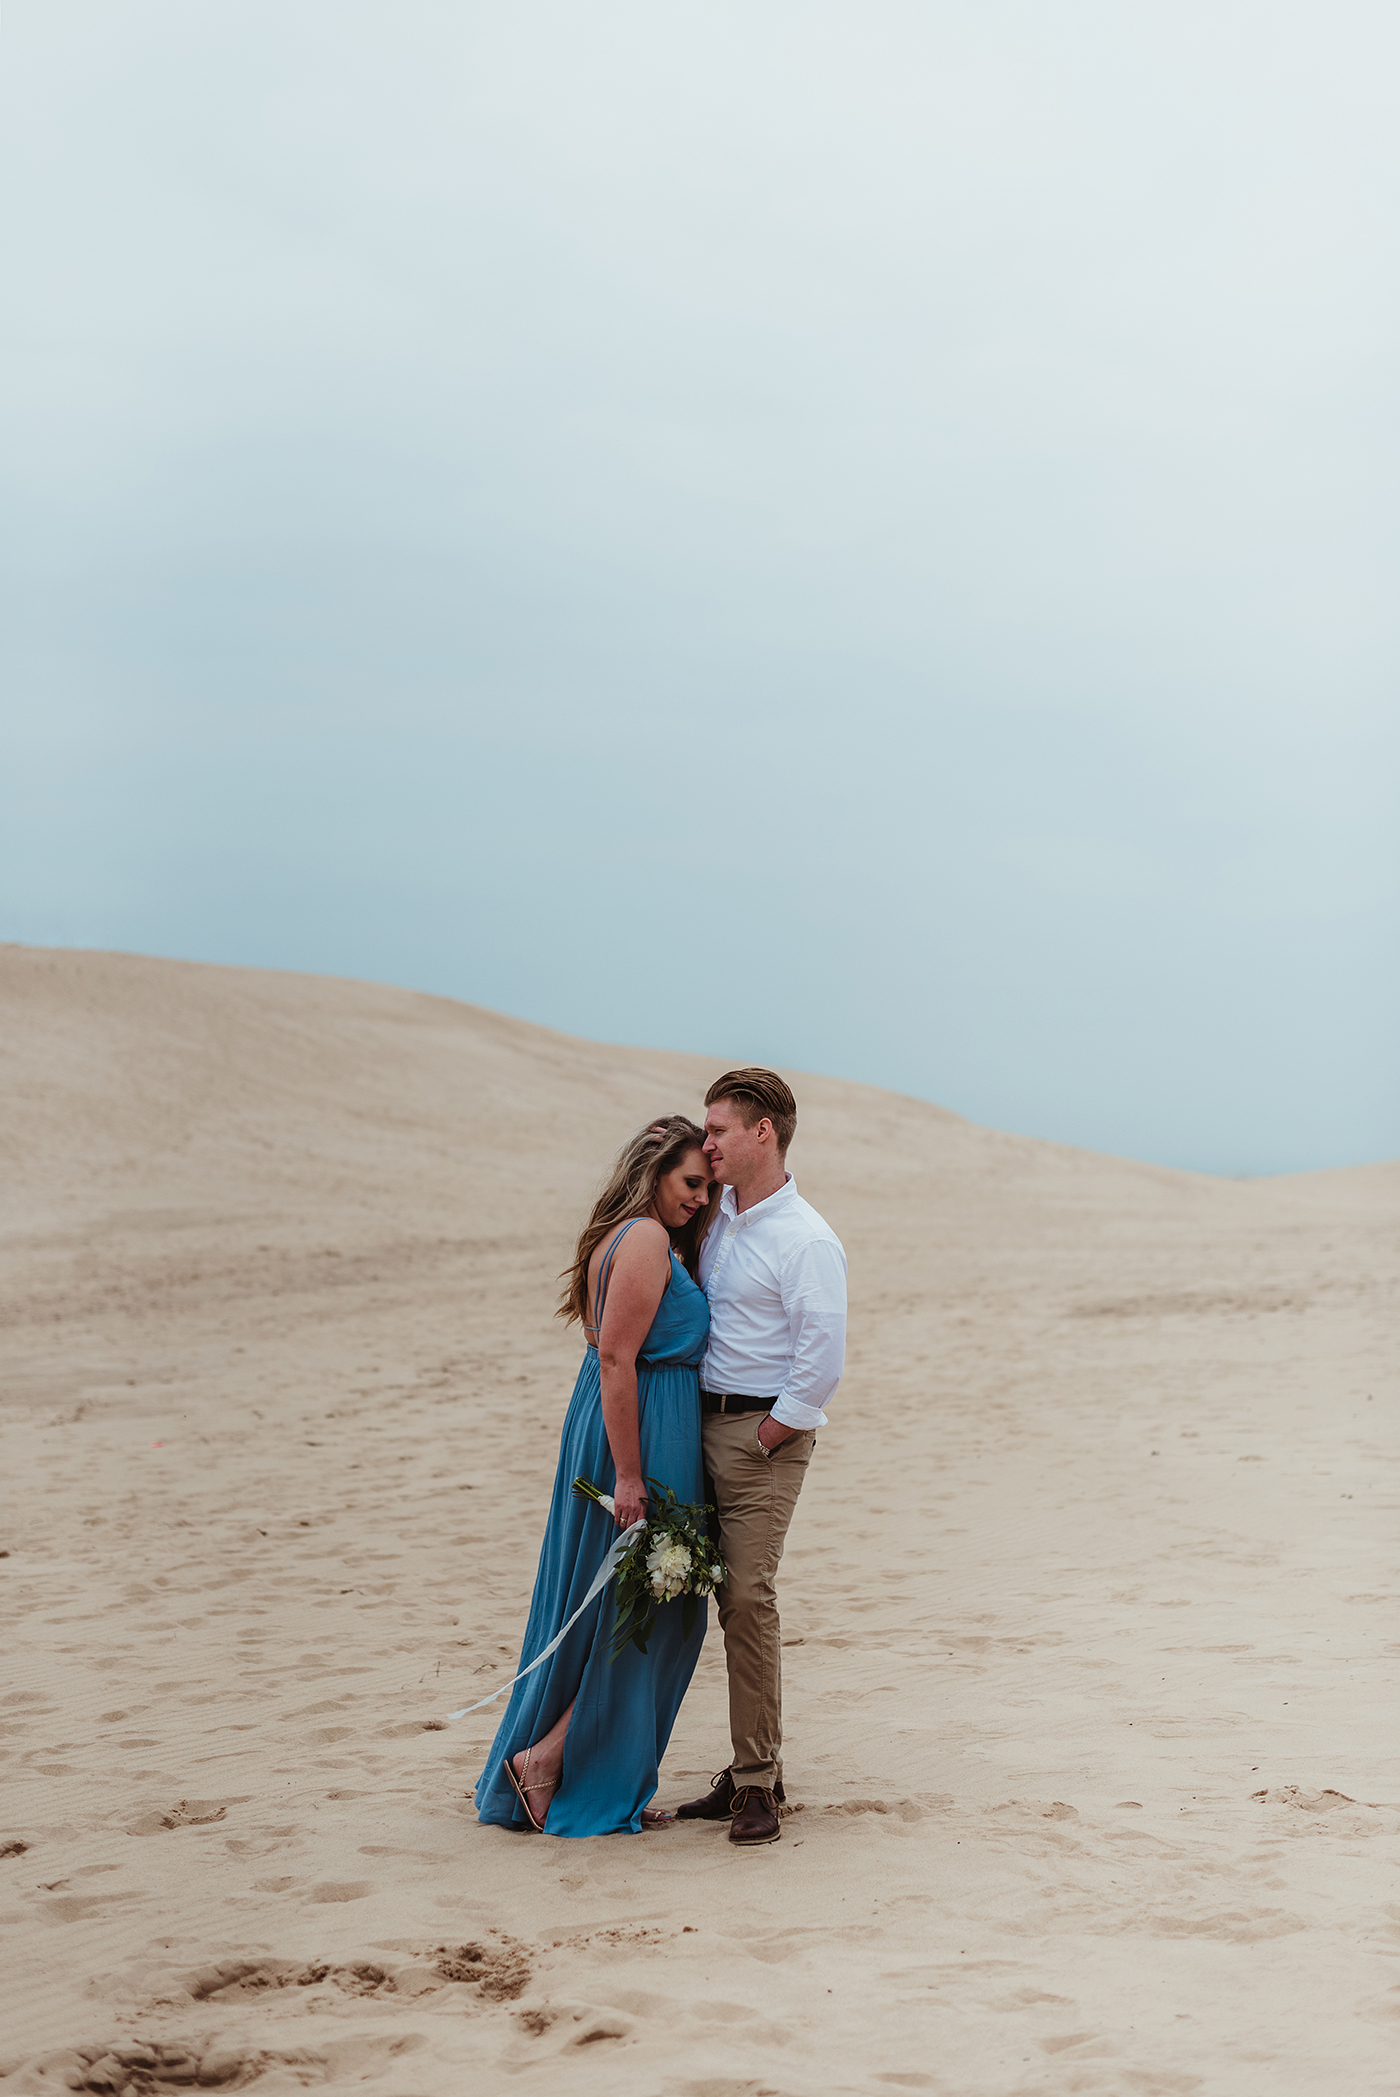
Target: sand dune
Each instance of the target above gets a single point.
(1090, 1600)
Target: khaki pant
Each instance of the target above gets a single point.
(755, 1495)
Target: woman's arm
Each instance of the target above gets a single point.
(640, 1271)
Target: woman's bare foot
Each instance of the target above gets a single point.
(539, 1767)
(656, 1820)
(537, 1774)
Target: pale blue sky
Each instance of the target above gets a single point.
(855, 536)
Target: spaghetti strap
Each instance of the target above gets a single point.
(600, 1292)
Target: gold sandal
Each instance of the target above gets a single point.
(520, 1789)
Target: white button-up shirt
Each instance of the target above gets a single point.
(776, 1280)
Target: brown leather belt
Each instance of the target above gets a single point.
(733, 1402)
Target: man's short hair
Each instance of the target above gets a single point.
(759, 1095)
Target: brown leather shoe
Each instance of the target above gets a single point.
(715, 1804)
(719, 1803)
(754, 1815)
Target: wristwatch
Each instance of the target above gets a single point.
(763, 1448)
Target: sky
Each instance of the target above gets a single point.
(858, 536)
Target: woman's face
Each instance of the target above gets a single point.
(683, 1190)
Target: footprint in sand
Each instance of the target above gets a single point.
(902, 1808)
(572, 2025)
(1305, 1801)
(127, 2065)
(240, 1977)
(189, 1813)
(1038, 1808)
(499, 1970)
(502, 1969)
(138, 2068)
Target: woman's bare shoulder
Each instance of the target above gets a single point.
(642, 1239)
(645, 1238)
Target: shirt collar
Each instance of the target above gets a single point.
(729, 1201)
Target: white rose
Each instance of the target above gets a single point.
(669, 1567)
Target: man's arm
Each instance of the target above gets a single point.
(813, 1288)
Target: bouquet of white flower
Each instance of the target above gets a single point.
(672, 1559)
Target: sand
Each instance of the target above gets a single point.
(1089, 1603)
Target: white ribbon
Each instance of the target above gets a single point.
(604, 1575)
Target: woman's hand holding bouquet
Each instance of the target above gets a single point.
(671, 1559)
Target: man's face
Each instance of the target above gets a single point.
(734, 1151)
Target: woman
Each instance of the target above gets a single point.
(578, 1749)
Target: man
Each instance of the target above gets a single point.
(775, 1275)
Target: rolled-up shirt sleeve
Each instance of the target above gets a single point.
(813, 1288)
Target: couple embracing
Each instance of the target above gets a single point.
(713, 1301)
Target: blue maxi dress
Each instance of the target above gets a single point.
(624, 1709)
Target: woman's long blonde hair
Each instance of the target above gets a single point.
(651, 1154)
